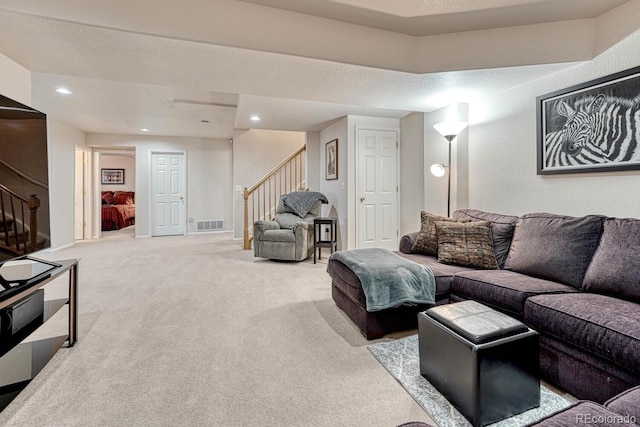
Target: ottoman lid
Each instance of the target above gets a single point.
(476, 322)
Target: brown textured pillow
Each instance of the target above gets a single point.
(427, 241)
(468, 244)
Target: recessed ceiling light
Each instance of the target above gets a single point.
(255, 118)
(144, 130)
(63, 90)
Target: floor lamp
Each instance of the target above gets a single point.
(449, 130)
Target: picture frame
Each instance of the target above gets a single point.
(590, 127)
(331, 160)
(112, 176)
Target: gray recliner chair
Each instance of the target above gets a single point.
(290, 236)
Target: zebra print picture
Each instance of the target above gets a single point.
(591, 127)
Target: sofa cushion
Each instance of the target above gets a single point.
(626, 403)
(504, 290)
(554, 247)
(602, 325)
(427, 240)
(581, 413)
(289, 220)
(280, 235)
(347, 281)
(502, 227)
(615, 268)
(467, 244)
(443, 273)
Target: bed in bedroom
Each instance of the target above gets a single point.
(118, 209)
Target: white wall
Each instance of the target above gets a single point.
(336, 190)
(62, 140)
(313, 161)
(209, 163)
(255, 153)
(15, 81)
(502, 151)
(126, 162)
(412, 170)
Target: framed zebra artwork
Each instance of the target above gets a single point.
(591, 127)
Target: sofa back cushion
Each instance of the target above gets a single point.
(615, 268)
(554, 247)
(502, 227)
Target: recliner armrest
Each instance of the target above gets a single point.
(260, 226)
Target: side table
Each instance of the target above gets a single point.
(318, 241)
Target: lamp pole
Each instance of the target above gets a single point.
(449, 138)
(449, 130)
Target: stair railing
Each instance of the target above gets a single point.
(13, 225)
(261, 199)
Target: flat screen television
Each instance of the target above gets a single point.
(24, 175)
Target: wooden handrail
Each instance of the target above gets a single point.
(12, 222)
(280, 180)
(276, 169)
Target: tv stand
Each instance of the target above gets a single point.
(20, 360)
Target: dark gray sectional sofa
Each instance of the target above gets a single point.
(575, 280)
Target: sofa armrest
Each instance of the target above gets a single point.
(626, 403)
(407, 241)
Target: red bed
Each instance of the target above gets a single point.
(118, 209)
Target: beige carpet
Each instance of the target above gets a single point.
(194, 331)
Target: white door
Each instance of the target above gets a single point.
(168, 194)
(377, 189)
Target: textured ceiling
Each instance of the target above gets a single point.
(204, 71)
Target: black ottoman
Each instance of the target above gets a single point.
(483, 361)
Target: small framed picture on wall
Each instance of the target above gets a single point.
(331, 159)
(112, 176)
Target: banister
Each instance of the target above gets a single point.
(13, 243)
(276, 169)
(267, 189)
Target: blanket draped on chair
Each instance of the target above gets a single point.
(387, 279)
(300, 202)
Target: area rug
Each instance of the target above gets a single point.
(400, 358)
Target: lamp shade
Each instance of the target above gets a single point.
(451, 129)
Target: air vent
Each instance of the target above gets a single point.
(212, 225)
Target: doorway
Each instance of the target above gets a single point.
(116, 192)
(377, 188)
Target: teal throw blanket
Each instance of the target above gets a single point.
(387, 279)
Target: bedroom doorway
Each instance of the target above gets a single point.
(117, 184)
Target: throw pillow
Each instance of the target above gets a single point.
(107, 198)
(427, 241)
(466, 244)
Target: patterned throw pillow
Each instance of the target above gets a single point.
(427, 241)
(468, 244)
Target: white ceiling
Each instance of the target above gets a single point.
(201, 68)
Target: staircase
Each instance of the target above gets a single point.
(261, 199)
(18, 223)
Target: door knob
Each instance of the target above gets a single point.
(361, 199)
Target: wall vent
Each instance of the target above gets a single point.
(212, 225)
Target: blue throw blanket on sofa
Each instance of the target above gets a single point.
(387, 279)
